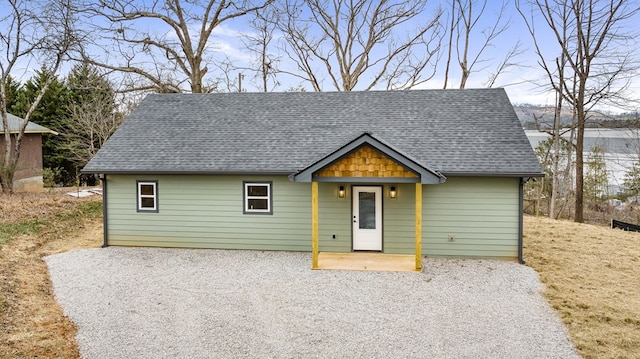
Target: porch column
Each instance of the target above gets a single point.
(418, 226)
(314, 225)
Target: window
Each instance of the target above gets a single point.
(257, 197)
(147, 196)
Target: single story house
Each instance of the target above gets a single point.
(421, 172)
(28, 175)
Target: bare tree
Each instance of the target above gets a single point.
(465, 17)
(227, 81)
(93, 114)
(259, 42)
(161, 45)
(508, 62)
(591, 36)
(348, 42)
(556, 132)
(92, 123)
(33, 31)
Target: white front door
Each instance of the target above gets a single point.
(367, 218)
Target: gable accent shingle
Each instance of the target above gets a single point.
(425, 175)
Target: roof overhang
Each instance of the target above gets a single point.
(495, 174)
(52, 132)
(32, 132)
(15, 123)
(425, 175)
(108, 171)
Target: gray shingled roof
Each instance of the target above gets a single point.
(455, 132)
(14, 123)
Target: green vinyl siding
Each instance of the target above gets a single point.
(399, 220)
(200, 211)
(203, 211)
(334, 217)
(481, 214)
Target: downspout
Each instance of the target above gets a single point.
(104, 211)
(520, 219)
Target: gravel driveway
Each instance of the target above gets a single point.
(177, 303)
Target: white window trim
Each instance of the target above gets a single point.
(246, 199)
(154, 196)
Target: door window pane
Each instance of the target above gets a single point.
(367, 209)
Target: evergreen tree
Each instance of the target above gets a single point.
(51, 113)
(86, 84)
(14, 90)
(596, 181)
(631, 181)
(542, 187)
(92, 114)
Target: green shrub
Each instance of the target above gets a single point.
(51, 175)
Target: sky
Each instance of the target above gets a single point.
(522, 82)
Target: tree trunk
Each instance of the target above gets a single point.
(579, 204)
(450, 47)
(556, 159)
(6, 177)
(7, 168)
(6, 172)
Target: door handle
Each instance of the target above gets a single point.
(355, 220)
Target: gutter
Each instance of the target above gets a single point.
(189, 172)
(520, 220)
(493, 174)
(104, 212)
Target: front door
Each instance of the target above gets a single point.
(367, 218)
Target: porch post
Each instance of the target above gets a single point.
(418, 226)
(314, 225)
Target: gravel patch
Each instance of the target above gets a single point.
(181, 303)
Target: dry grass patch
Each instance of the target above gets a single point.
(592, 275)
(33, 226)
(24, 207)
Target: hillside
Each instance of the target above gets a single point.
(528, 113)
(591, 276)
(590, 273)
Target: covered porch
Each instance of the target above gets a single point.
(370, 172)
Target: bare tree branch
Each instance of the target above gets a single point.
(506, 64)
(471, 42)
(164, 43)
(349, 42)
(259, 43)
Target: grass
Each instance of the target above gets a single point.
(592, 278)
(13, 230)
(591, 273)
(31, 227)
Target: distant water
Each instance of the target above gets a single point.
(621, 149)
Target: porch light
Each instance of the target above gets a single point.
(341, 192)
(393, 194)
